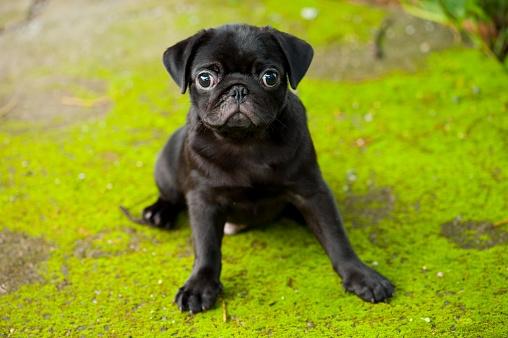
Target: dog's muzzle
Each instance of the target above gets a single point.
(238, 120)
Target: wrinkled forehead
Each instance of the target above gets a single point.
(239, 51)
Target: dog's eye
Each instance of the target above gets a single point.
(270, 78)
(206, 80)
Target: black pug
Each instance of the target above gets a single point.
(245, 155)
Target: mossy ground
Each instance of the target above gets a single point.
(405, 154)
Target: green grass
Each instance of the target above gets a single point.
(435, 139)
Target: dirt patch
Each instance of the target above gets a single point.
(37, 49)
(20, 256)
(55, 99)
(368, 209)
(404, 44)
(110, 243)
(469, 234)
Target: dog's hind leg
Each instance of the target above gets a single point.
(163, 212)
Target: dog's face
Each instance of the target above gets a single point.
(237, 74)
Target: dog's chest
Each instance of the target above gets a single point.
(239, 196)
(251, 205)
(245, 177)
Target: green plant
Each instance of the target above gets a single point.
(485, 21)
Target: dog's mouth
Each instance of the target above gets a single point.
(237, 126)
(238, 120)
(237, 116)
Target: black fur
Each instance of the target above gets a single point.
(246, 158)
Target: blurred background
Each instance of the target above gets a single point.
(408, 107)
(354, 40)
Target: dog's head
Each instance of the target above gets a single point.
(237, 74)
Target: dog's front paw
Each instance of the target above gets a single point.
(198, 294)
(161, 214)
(368, 284)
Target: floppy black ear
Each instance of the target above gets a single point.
(177, 59)
(298, 55)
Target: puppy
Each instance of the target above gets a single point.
(245, 155)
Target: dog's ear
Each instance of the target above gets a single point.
(177, 59)
(298, 54)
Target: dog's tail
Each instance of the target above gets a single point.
(127, 213)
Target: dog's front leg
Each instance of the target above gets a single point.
(203, 286)
(317, 205)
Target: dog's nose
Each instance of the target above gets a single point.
(239, 92)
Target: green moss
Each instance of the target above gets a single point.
(436, 139)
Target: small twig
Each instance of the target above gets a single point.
(502, 222)
(224, 311)
(79, 102)
(379, 38)
(34, 10)
(6, 109)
